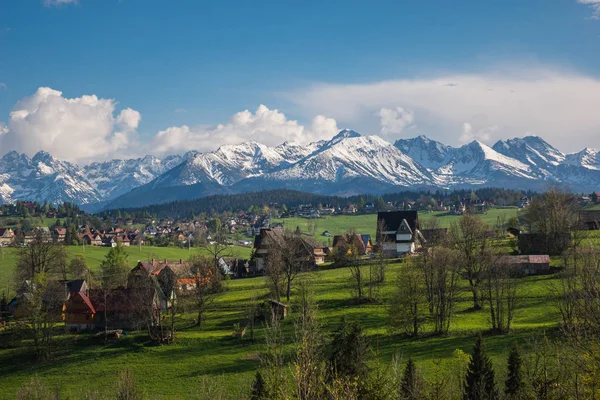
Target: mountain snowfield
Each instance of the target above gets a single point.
(347, 164)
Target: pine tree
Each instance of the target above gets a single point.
(513, 386)
(410, 387)
(259, 388)
(479, 381)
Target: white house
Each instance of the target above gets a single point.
(398, 232)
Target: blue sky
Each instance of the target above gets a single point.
(197, 63)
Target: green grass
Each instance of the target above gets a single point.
(367, 223)
(94, 256)
(176, 371)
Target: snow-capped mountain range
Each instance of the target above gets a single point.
(347, 164)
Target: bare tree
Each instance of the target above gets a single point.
(217, 248)
(42, 295)
(469, 236)
(41, 256)
(308, 367)
(407, 304)
(274, 271)
(501, 289)
(78, 268)
(441, 274)
(354, 264)
(208, 284)
(39, 310)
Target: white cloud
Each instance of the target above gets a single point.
(270, 127)
(393, 121)
(74, 129)
(594, 5)
(180, 110)
(483, 134)
(558, 106)
(50, 3)
(3, 85)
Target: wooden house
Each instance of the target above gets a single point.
(527, 265)
(79, 313)
(400, 234)
(7, 236)
(278, 309)
(347, 242)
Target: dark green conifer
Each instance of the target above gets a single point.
(479, 381)
(513, 386)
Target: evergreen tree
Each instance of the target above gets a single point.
(411, 385)
(513, 386)
(479, 381)
(350, 352)
(259, 388)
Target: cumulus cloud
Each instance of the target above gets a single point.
(594, 5)
(482, 134)
(394, 121)
(270, 127)
(561, 107)
(73, 129)
(50, 3)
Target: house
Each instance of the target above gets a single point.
(79, 313)
(7, 236)
(345, 243)
(541, 243)
(278, 309)
(527, 265)
(270, 237)
(320, 254)
(589, 220)
(398, 232)
(60, 233)
(166, 272)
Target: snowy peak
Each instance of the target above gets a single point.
(586, 158)
(531, 150)
(429, 153)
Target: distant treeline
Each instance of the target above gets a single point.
(291, 198)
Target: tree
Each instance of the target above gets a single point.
(126, 387)
(274, 271)
(39, 311)
(41, 257)
(308, 367)
(479, 381)
(208, 284)
(350, 257)
(113, 274)
(411, 386)
(218, 247)
(552, 214)
(349, 353)
(501, 289)
(406, 308)
(513, 386)
(441, 274)
(469, 238)
(78, 267)
(259, 390)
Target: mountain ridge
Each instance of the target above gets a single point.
(346, 164)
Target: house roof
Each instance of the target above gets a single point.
(75, 285)
(393, 219)
(530, 259)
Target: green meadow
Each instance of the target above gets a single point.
(210, 354)
(367, 223)
(94, 256)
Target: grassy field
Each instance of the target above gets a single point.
(367, 223)
(209, 352)
(94, 256)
